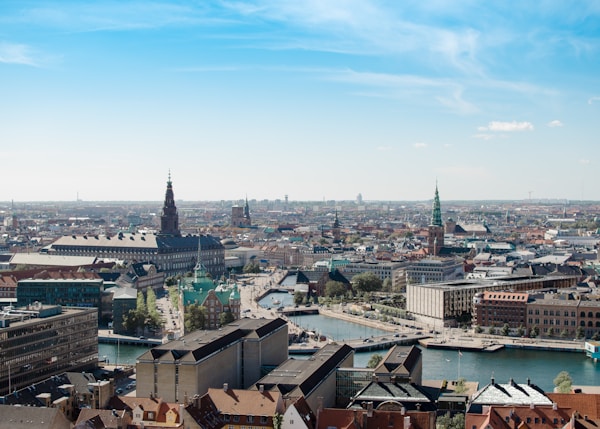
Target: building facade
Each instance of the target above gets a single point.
(70, 289)
(37, 342)
(447, 304)
(434, 270)
(496, 308)
(237, 355)
(168, 250)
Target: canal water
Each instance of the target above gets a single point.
(541, 367)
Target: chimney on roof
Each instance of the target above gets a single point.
(532, 406)
(370, 409)
(403, 410)
(554, 406)
(261, 388)
(225, 387)
(418, 406)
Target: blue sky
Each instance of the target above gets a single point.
(313, 99)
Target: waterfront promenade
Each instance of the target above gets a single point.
(414, 332)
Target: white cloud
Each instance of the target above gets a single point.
(420, 145)
(14, 53)
(555, 123)
(593, 99)
(484, 136)
(507, 126)
(584, 161)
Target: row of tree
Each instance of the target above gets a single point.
(145, 316)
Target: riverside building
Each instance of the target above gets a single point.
(238, 354)
(39, 341)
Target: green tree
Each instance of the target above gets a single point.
(596, 336)
(133, 321)
(447, 421)
(579, 333)
(334, 288)
(534, 332)
(226, 317)
(374, 360)
(174, 296)
(492, 330)
(520, 331)
(251, 268)
(298, 297)
(195, 317)
(564, 333)
(151, 300)
(141, 303)
(277, 421)
(478, 329)
(505, 330)
(387, 285)
(563, 382)
(366, 282)
(550, 332)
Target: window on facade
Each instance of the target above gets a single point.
(236, 419)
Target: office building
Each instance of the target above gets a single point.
(39, 341)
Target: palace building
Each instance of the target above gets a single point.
(169, 250)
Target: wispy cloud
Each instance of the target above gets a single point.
(15, 53)
(584, 161)
(483, 136)
(555, 123)
(420, 145)
(507, 126)
(593, 99)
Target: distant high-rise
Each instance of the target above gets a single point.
(435, 239)
(169, 219)
(359, 199)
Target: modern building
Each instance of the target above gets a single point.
(169, 250)
(238, 354)
(70, 289)
(447, 304)
(435, 270)
(395, 271)
(39, 341)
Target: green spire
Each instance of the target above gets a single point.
(436, 215)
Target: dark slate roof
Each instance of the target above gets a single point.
(27, 395)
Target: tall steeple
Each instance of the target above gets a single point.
(247, 213)
(436, 213)
(435, 239)
(169, 219)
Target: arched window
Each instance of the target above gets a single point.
(598, 315)
(590, 314)
(582, 314)
(597, 324)
(590, 324)
(582, 323)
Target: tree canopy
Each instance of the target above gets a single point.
(195, 317)
(335, 288)
(563, 382)
(374, 360)
(366, 282)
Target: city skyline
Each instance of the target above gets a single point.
(314, 100)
